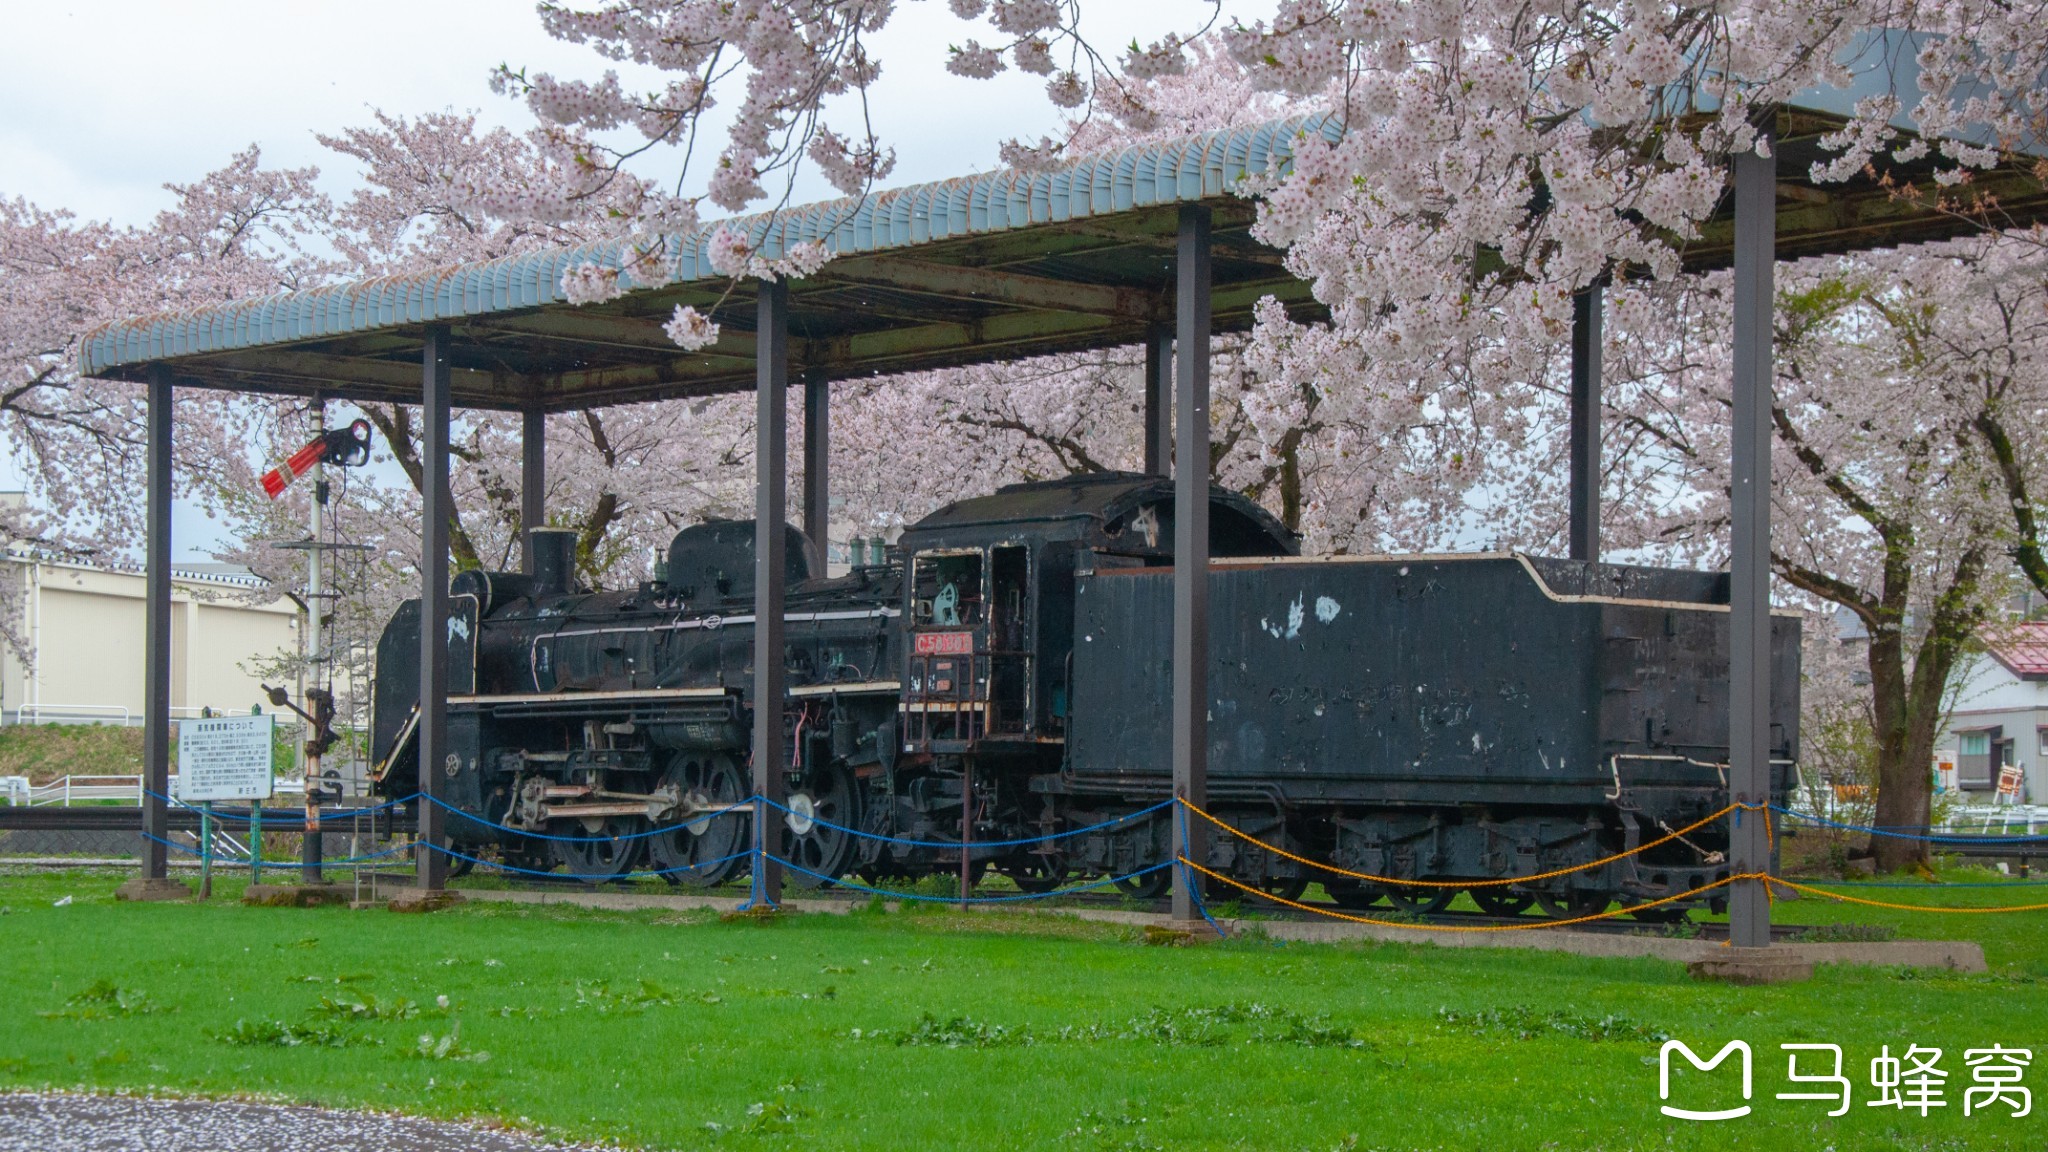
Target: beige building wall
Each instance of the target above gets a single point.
(86, 627)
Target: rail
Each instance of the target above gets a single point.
(123, 791)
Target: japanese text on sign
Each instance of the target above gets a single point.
(226, 758)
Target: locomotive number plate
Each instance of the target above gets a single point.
(944, 643)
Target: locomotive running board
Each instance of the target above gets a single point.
(620, 696)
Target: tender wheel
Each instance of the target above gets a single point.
(1572, 904)
(1421, 901)
(1035, 873)
(1287, 888)
(1353, 895)
(814, 830)
(599, 861)
(1500, 901)
(1661, 914)
(708, 850)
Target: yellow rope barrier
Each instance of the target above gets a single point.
(1609, 914)
(1553, 873)
(1808, 888)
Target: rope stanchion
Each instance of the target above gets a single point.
(1398, 882)
(1188, 878)
(1534, 924)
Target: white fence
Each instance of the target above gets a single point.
(111, 790)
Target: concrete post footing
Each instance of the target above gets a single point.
(296, 895)
(1753, 966)
(151, 889)
(423, 899)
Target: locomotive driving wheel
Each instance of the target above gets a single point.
(1353, 895)
(707, 850)
(816, 836)
(600, 851)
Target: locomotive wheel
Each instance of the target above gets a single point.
(1500, 901)
(1034, 873)
(1421, 901)
(815, 836)
(1353, 895)
(600, 861)
(1150, 886)
(1285, 887)
(1572, 904)
(696, 855)
(1661, 914)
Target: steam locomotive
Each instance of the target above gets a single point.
(1421, 717)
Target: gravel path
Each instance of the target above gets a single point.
(69, 1123)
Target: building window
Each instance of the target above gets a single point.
(1978, 756)
(2043, 733)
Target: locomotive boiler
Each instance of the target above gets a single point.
(1444, 718)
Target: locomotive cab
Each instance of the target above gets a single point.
(989, 594)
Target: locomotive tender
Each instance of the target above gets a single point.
(1427, 717)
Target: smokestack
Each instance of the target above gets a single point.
(554, 560)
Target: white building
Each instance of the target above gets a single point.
(85, 625)
(2000, 718)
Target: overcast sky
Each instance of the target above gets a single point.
(103, 103)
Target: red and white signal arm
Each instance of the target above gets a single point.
(943, 644)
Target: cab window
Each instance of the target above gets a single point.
(947, 590)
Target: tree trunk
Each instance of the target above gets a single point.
(1907, 712)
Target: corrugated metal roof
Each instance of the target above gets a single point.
(2021, 646)
(1171, 171)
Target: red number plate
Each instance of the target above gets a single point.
(944, 643)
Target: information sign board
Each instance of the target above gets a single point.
(225, 758)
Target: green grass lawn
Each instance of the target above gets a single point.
(934, 1030)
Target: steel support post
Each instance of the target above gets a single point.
(1585, 423)
(315, 652)
(435, 507)
(1749, 654)
(818, 463)
(156, 673)
(771, 495)
(1191, 552)
(533, 481)
(1159, 400)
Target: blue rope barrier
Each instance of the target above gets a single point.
(888, 895)
(1187, 874)
(640, 875)
(978, 844)
(641, 835)
(1992, 841)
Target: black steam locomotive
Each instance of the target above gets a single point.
(1425, 717)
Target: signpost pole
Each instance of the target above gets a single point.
(255, 842)
(206, 851)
